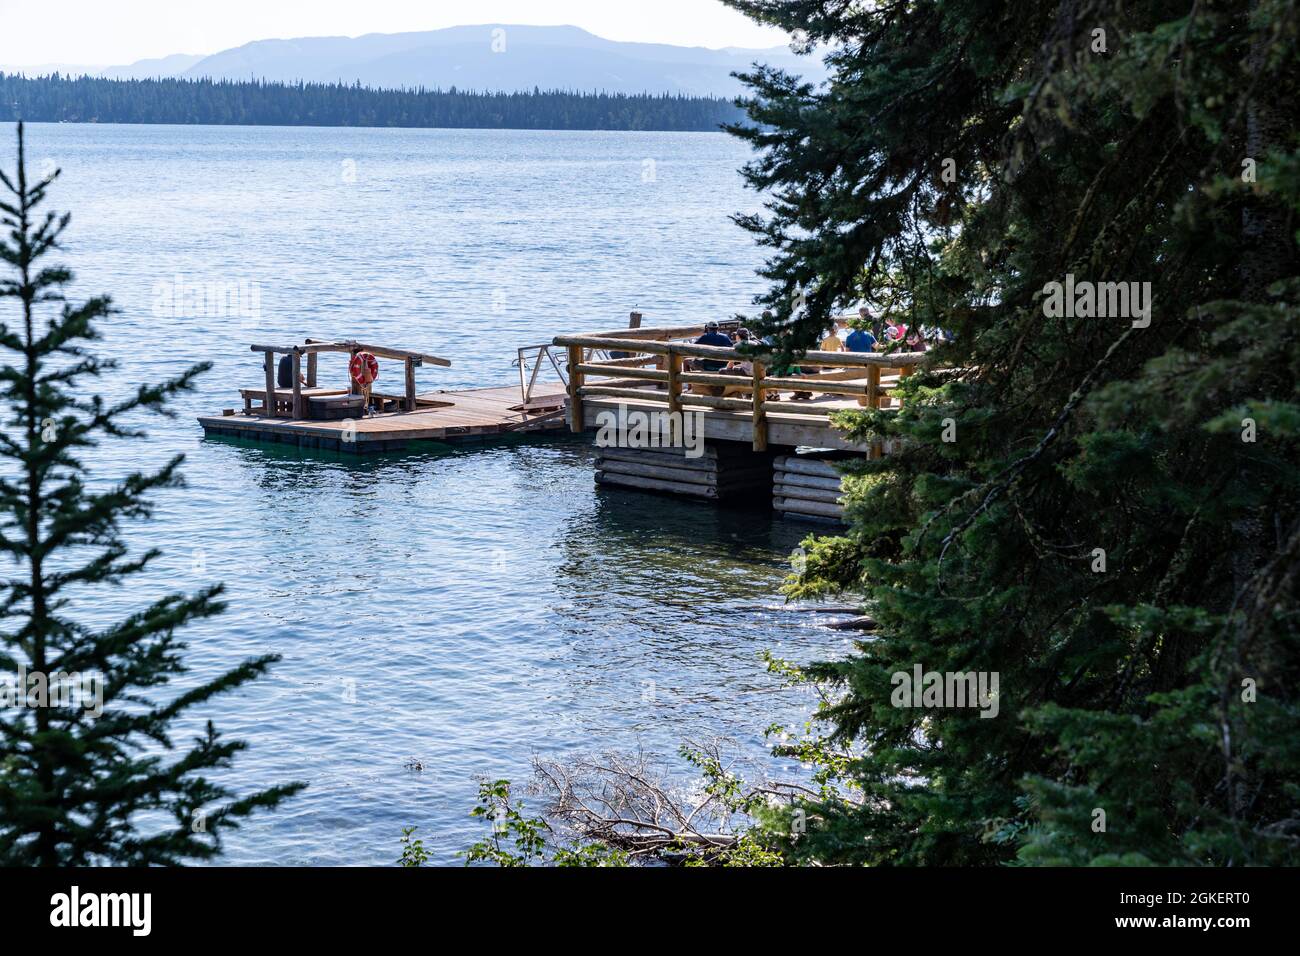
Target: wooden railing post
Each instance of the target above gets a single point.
(674, 391)
(873, 401)
(270, 384)
(575, 389)
(903, 372)
(311, 369)
(410, 384)
(297, 386)
(760, 417)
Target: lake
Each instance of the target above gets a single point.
(459, 611)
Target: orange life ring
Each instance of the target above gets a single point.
(364, 368)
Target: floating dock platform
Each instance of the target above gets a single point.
(461, 416)
(360, 419)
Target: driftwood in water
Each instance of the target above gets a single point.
(626, 801)
(861, 623)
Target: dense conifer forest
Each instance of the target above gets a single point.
(86, 99)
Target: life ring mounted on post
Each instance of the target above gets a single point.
(364, 368)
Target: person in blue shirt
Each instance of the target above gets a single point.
(712, 336)
(860, 340)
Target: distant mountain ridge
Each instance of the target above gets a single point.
(172, 65)
(163, 66)
(487, 57)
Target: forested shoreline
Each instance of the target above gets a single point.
(87, 99)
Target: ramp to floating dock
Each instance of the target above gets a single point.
(465, 415)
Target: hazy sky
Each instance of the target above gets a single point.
(114, 32)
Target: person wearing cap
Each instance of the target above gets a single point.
(712, 336)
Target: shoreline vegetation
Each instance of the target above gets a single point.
(172, 101)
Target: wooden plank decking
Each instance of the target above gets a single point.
(474, 414)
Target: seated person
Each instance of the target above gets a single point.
(712, 336)
(745, 366)
(284, 377)
(741, 367)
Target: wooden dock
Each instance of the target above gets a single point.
(361, 416)
(654, 370)
(459, 416)
(730, 427)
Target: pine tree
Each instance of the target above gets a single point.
(1115, 529)
(86, 775)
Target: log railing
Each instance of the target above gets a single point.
(657, 369)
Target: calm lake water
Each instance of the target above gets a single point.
(472, 608)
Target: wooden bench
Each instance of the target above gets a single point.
(283, 399)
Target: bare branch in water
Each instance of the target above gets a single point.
(625, 800)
